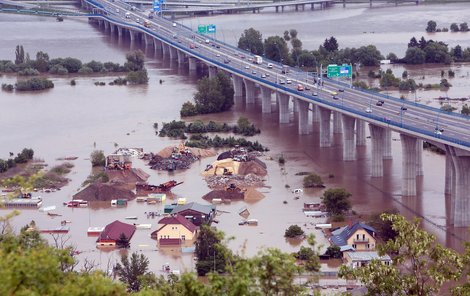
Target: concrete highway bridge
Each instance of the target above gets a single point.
(335, 107)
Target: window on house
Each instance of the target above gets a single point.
(354, 246)
(357, 236)
(183, 237)
(368, 246)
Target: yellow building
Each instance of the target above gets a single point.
(356, 237)
(174, 230)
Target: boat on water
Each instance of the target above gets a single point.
(143, 226)
(76, 203)
(131, 217)
(252, 222)
(53, 214)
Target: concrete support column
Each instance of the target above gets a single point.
(212, 71)
(349, 147)
(283, 107)
(265, 99)
(408, 145)
(166, 49)
(337, 129)
(237, 85)
(325, 121)
(193, 64)
(295, 107)
(315, 113)
(173, 53)
(249, 91)
(377, 137)
(181, 57)
(387, 144)
(112, 28)
(157, 44)
(303, 116)
(419, 157)
(119, 31)
(148, 40)
(133, 35)
(461, 186)
(360, 133)
(449, 175)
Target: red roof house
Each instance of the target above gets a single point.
(113, 231)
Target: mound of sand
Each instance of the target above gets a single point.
(127, 176)
(166, 152)
(223, 195)
(103, 192)
(253, 194)
(255, 167)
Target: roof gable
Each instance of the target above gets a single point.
(177, 220)
(114, 230)
(341, 235)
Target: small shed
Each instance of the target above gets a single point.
(112, 233)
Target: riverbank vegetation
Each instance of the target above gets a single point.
(53, 178)
(23, 65)
(203, 141)
(24, 156)
(213, 95)
(454, 27)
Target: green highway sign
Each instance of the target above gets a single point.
(339, 71)
(202, 29)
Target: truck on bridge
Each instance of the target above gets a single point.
(257, 60)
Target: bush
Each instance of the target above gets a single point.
(58, 69)
(37, 83)
(95, 66)
(97, 158)
(7, 87)
(334, 252)
(312, 180)
(188, 109)
(85, 70)
(28, 72)
(137, 77)
(293, 231)
(73, 82)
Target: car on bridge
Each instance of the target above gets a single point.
(300, 87)
(334, 93)
(174, 25)
(288, 81)
(192, 46)
(282, 81)
(403, 108)
(315, 94)
(270, 66)
(335, 98)
(368, 110)
(380, 103)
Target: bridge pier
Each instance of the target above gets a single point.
(148, 40)
(119, 29)
(249, 91)
(237, 85)
(409, 165)
(360, 133)
(106, 26)
(377, 137)
(460, 199)
(419, 158)
(193, 64)
(325, 121)
(112, 28)
(181, 57)
(315, 113)
(387, 144)
(212, 71)
(173, 53)
(312, 6)
(449, 175)
(303, 116)
(265, 99)
(283, 100)
(349, 147)
(166, 49)
(157, 44)
(337, 129)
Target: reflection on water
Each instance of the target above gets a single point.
(71, 120)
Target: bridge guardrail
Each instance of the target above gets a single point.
(288, 90)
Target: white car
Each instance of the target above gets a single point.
(247, 67)
(270, 66)
(263, 75)
(368, 110)
(288, 81)
(217, 55)
(174, 24)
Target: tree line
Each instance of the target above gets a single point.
(454, 27)
(22, 157)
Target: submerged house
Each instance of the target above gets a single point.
(174, 230)
(195, 213)
(356, 237)
(113, 232)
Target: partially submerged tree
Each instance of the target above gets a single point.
(131, 271)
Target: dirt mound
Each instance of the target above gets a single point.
(255, 167)
(253, 194)
(127, 176)
(224, 195)
(166, 152)
(103, 192)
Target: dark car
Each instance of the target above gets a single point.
(226, 61)
(335, 98)
(404, 108)
(341, 90)
(217, 46)
(379, 103)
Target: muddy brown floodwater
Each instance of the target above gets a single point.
(74, 120)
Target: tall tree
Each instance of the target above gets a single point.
(211, 254)
(432, 25)
(226, 88)
(251, 40)
(331, 44)
(336, 200)
(130, 271)
(42, 61)
(420, 265)
(413, 42)
(135, 60)
(19, 55)
(275, 48)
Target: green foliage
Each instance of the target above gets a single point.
(85, 70)
(214, 95)
(415, 55)
(336, 201)
(331, 44)
(383, 228)
(465, 110)
(135, 60)
(72, 65)
(73, 82)
(444, 83)
(7, 87)
(95, 66)
(36, 83)
(431, 27)
(174, 129)
(251, 40)
(293, 231)
(202, 141)
(463, 27)
(188, 109)
(420, 265)
(312, 180)
(19, 55)
(404, 75)
(58, 69)
(101, 177)
(131, 271)
(334, 252)
(137, 77)
(360, 84)
(448, 108)
(389, 80)
(408, 84)
(211, 254)
(454, 27)
(97, 158)
(276, 49)
(28, 72)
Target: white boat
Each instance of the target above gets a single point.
(143, 226)
(252, 221)
(47, 209)
(131, 217)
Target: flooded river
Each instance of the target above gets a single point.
(73, 120)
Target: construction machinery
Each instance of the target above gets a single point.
(145, 188)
